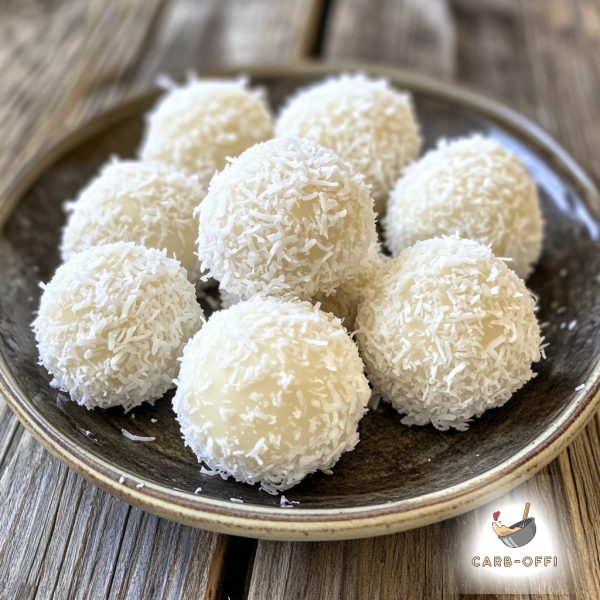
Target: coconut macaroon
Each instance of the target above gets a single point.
(287, 217)
(363, 120)
(344, 302)
(269, 391)
(195, 127)
(473, 187)
(447, 331)
(112, 323)
(147, 203)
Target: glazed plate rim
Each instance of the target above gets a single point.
(310, 524)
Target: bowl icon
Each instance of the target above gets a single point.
(522, 537)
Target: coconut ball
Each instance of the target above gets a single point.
(344, 302)
(112, 323)
(287, 217)
(195, 127)
(473, 187)
(269, 391)
(147, 203)
(447, 331)
(363, 120)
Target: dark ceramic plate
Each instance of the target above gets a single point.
(398, 477)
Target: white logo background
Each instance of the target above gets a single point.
(482, 542)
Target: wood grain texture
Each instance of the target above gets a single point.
(400, 32)
(63, 61)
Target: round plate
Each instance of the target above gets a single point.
(398, 477)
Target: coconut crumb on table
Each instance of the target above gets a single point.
(236, 500)
(121, 479)
(580, 387)
(197, 490)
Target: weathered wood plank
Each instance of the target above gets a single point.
(51, 59)
(537, 57)
(159, 559)
(229, 32)
(402, 32)
(61, 537)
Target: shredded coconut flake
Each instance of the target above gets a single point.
(137, 438)
(285, 503)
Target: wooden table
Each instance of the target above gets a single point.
(61, 62)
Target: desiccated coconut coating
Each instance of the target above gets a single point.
(472, 187)
(269, 391)
(344, 302)
(287, 217)
(148, 203)
(112, 323)
(195, 127)
(363, 120)
(447, 331)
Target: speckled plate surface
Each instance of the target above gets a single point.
(398, 477)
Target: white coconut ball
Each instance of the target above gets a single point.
(363, 120)
(472, 187)
(346, 299)
(197, 126)
(112, 323)
(147, 203)
(269, 391)
(287, 217)
(447, 331)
